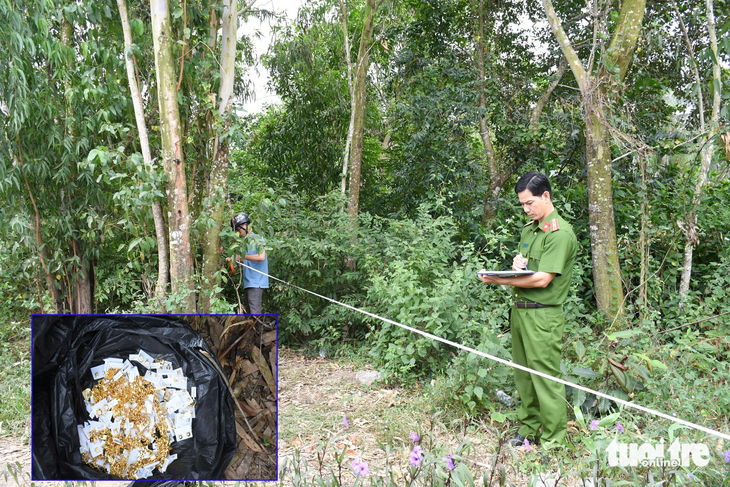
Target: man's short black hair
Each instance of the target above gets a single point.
(536, 182)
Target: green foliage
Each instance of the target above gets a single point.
(304, 140)
(431, 287)
(15, 378)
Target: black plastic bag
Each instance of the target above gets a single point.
(65, 347)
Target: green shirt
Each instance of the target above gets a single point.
(550, 247)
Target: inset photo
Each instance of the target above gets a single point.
(154, 397)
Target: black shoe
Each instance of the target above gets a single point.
(518, 440)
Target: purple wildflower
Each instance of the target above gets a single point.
(594, 425)
(727, 456)
(414, 436)
(416, 456)
(450, 461)
(526, 444)
(619, 427)
(345, 422)
(359, 469)
(690, 476)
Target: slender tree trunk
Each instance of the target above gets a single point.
(163, 266)
(43, 254)
(351, 128)
(359, 95)
(542, 101)
(181, 263)
(643, 240)
(495, 177)
(83, 303)
(219, 164)
(690, 224)
(604, 249)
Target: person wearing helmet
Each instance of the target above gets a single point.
(255, 260)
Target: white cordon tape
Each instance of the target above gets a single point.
(674, 419)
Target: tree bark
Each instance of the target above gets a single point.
(163, 265)
(359, 95)
(181, 263)
(219, 163)
(594, 89)
(351, 128)
(83, 303)
(606, 271)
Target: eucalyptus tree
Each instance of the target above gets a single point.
(219, 159)
(179, 221)
(598, 79)
(709, 131)
(163, 267)
(357, 81)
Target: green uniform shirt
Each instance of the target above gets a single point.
(550, 247)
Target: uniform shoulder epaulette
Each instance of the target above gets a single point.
(551, 226)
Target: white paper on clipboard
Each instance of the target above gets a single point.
(504, 273)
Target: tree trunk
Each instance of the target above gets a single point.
(219, 164)
(495, 177)
(43, 254)
(542, 101)
(604, 249)
(351, 128)
(606, 271)
(83, 302)
(163, 266)
(181, 263)
(690, 224)
(359, 95)
(643, 239)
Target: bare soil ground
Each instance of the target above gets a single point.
(315, 394)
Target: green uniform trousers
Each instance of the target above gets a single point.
(537, 336)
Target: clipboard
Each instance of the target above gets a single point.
(504, 273)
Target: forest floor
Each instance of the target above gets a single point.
(316, 394)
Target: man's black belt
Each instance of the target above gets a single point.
(532, 305)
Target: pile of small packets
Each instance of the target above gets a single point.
(135, 418)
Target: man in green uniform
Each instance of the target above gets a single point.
(547, 247)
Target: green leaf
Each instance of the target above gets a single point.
(580, 349)
(134, 243)
(653, 363)
(586, 373)
(609, 420)
(137, 27)
(177, 13)
(579, 416)
(498, 417)
(478, 391)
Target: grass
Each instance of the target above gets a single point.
(15, 372)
